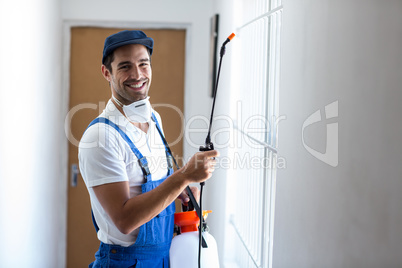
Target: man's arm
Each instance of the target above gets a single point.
(130, 213)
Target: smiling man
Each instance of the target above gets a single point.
(128, 172)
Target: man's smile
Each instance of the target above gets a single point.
(137, 85)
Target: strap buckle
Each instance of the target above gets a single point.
(144, 167)
(169, 159)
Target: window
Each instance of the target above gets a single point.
(256, 59)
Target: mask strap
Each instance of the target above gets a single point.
(117, 101)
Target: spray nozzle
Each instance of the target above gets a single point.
(230, 37)
(223, 48)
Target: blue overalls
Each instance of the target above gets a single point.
(151, 249)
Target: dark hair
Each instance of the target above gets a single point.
(108, 61)
(110, 58)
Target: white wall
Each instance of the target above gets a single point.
(349, 215)
(30, 179)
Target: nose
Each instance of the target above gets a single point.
(136, 73)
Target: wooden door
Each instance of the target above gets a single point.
(89, 93)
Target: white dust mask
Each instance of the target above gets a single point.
(138, 111)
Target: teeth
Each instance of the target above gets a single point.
(136, 86)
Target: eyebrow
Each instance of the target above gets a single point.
(129, 62)
(123, 63)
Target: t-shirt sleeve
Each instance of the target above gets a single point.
(101, 157)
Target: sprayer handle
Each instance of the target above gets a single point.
(208, 147)
(192, 204)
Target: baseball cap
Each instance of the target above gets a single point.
(126, 37)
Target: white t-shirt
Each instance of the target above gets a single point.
(105, 157)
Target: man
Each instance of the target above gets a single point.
(126, 164)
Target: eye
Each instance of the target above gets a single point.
(124, 67)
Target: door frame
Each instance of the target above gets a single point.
(65, 99)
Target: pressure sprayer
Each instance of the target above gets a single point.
(183, 251)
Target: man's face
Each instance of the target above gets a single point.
(131, 74)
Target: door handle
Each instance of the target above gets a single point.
(74, 171)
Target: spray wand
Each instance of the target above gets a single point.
(209, 146)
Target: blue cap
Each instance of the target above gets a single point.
(125, 38)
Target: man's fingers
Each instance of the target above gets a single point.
(200, 166)
(184, 197)
(213, 153)
(196, 192)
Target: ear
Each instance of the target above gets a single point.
(106, 73)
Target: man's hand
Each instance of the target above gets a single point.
(184, 197)
(200, 166)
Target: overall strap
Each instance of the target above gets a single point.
(141, 159)
(169, 155)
